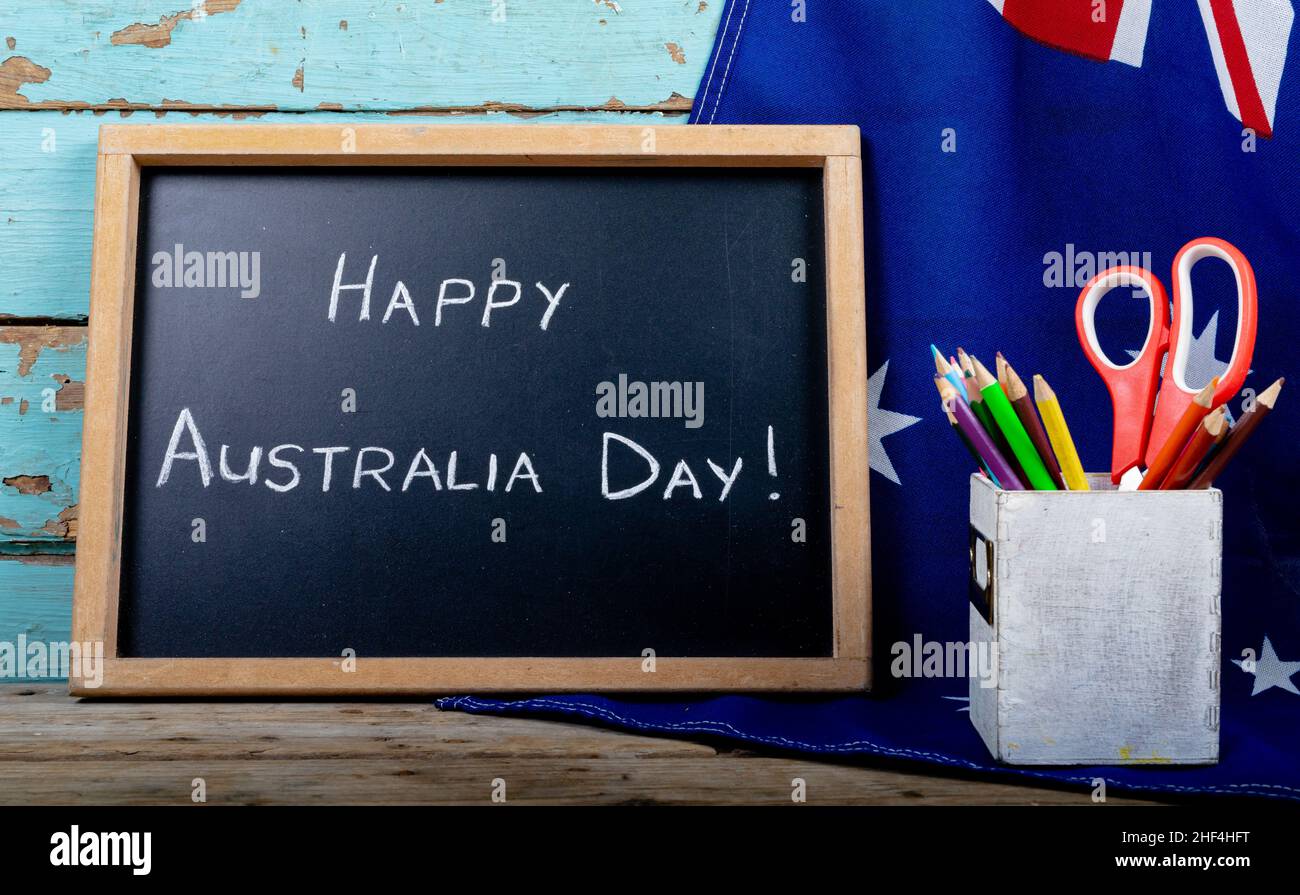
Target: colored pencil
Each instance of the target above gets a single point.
(1243, 429)
(1023, 405)
(979, 461)
(1201, 441)
(1000, 367)
(1216, 445)
(954, 376)
(977, 404)
(1059, 433)
(1014, 431)
(979, 438)
(981, 409)
(1178, 438)
(964, 364)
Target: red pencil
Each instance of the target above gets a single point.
(1183, 430)
(1238, 435)
(1207, 433)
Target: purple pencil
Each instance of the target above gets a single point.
(978, 436)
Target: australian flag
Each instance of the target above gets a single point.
(1007, 146)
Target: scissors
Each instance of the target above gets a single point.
(1140, 433)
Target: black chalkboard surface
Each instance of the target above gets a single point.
(604, 276)
(388, 409)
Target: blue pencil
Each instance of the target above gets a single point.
(947, 372)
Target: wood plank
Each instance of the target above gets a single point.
(54, 749)
(35, 600)
(50, 725)
(360, 55)
(344, 143)
(573, 780)
(847, 373)
(47, 190)
(42, 386)
(416, 676)
(108, 365)
(47, 193)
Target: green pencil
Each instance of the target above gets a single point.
(982, 414)
(1005, 416)
(986, 418)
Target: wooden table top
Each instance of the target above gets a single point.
(59, 750)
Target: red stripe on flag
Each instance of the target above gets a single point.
(1067, 24)
(1249, 104)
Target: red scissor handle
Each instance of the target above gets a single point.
(1175, 393)
(1133, 385)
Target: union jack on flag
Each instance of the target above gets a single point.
(1248, 40)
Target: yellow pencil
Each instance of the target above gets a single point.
(1059, 434)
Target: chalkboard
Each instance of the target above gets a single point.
(491, 412)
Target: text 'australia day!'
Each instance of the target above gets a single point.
(284, 467)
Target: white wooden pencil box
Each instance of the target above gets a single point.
(1103, 607)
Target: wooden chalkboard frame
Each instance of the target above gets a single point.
(125, 149)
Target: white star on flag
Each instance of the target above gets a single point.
(1202, 365)
(1270, 671)
(965, 699)
(881, 422)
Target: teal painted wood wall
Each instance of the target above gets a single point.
(66, 67)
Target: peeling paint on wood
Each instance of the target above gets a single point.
(235, 113)
(63, 526)
(125, 107)
(40, 434)
(297, 79)
(388, 56)
(31, 340)
(28, 484)
(40, 559)
(14, 73)
(676, 53)
(675, 104)
(159, 34)
(71, 394)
